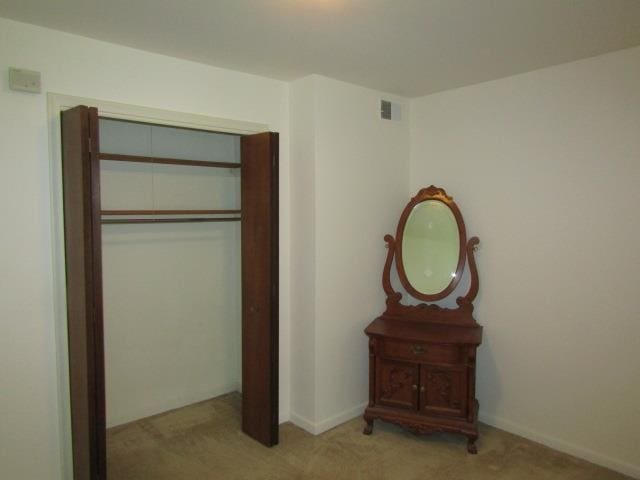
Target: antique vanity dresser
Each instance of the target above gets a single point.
(422, 358)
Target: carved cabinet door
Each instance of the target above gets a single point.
(397, 384)
(443, 390)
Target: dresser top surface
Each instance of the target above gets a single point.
(424, 331)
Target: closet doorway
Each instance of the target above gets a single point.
(84, 220)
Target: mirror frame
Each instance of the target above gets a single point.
(438, 194)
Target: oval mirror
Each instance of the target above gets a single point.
(431, 241)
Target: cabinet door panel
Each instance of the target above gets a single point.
(397, 384)
(443, 390)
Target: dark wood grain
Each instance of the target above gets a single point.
(169, 212)
(259, 186)
(116, 221)
(96, 233)
(166, 161)
(424, 331)
(81, 203)
(443, 390)
(472, 244)
(397, 384)
(435, 353)
(435, 345)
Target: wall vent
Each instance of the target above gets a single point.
(385, 109)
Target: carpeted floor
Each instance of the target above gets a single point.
(204, 442)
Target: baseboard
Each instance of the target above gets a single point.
(302, 422)
(283, 417)
(316, 428)
(169, 404)
(561, 445)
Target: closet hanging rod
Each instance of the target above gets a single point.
(166, 161)
(168, 220)
(169, 212)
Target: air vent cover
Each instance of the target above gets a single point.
(385, 109)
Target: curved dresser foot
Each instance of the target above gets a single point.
(368, 427)
(471, 445)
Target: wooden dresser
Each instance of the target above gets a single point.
(422, 358)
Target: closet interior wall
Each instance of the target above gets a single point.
(172, 291)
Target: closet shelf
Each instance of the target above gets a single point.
(166, 161)
(169, 212)
(109, 221)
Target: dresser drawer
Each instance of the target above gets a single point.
(420, 352)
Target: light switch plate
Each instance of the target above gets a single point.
(24, 80)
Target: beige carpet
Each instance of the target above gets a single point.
(203, 442)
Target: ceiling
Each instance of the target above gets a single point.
(407, 47)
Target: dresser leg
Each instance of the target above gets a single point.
(471, 444)
(368, 427)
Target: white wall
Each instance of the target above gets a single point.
(545, 167)
(302, 104)
(350, 184)
(32, 445)
(172, 292)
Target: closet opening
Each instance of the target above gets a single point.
(171, 246)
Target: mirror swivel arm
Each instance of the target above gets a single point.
(473, 288)
(386, 273)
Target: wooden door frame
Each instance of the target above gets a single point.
(56, 103)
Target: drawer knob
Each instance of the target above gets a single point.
(418, 349)
(422, 389)
(414, 387)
